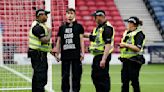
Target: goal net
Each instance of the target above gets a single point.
(16, 17)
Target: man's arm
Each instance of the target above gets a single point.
(108, 47)
(57, 49)
(130, 46)
(139, 38)
(82, 47)
(107, 37)
(46, 39)
(58, 45)
(81, 32)
(40, 33)
(86, 35)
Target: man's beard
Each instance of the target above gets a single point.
(45, 20)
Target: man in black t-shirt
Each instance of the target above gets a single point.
(39, 46)
(71, 45)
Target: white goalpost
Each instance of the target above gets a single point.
(49, 84)
(16, 17)
(3, 66)
(1, 49)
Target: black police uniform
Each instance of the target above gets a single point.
(130, 69)
(39, 63)
(101, 77)
(70, 55)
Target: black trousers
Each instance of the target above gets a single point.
(100, 77)
(76, 75)
(40, 67)
(130, 72)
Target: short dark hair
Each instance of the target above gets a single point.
(41, 11)
(70, 9)
(98, 13)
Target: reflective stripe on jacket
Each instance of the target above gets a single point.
(126, 52)
(97, 47)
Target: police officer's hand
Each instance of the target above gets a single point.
(56, 55)
(102, 64)
(92, 38)
(49, 29)
(123, 45)
(82, 57)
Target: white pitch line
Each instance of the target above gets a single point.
(145, 83)
(140, 72)
(87, 73)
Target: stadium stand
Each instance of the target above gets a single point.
(16, 30)
(84, 10)
(16, 24)
(16, 17)
(57, 16)
(156, 53)
(137, 8)
(156, 9)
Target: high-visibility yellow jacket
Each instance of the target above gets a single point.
(35, 43)
(127, 52)
(97, 47)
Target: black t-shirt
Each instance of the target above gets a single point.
(70, 40)
(38, 31)
(139, 38)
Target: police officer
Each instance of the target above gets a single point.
(131, 48)
(39, 45)
(70, 43)
(102, 40)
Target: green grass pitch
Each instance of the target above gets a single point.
(151, 78)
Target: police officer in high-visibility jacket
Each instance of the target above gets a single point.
(131, 49)
(39, 45)
(102, 40)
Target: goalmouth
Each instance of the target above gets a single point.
(16, 74)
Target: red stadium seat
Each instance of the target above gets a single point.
(117, 18)
(89, 23)
(80, 3)
(92, 8)
(90, 28)
(17, 21)
(81, 8)
(83, 13)
(117, 39)
(101, 3)
(79, 17)
(91, 3)
(112, 14)
(84, 8)
(87, 18)
(115, 13)
(103, 7)
(121, 28)
(110, 3)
